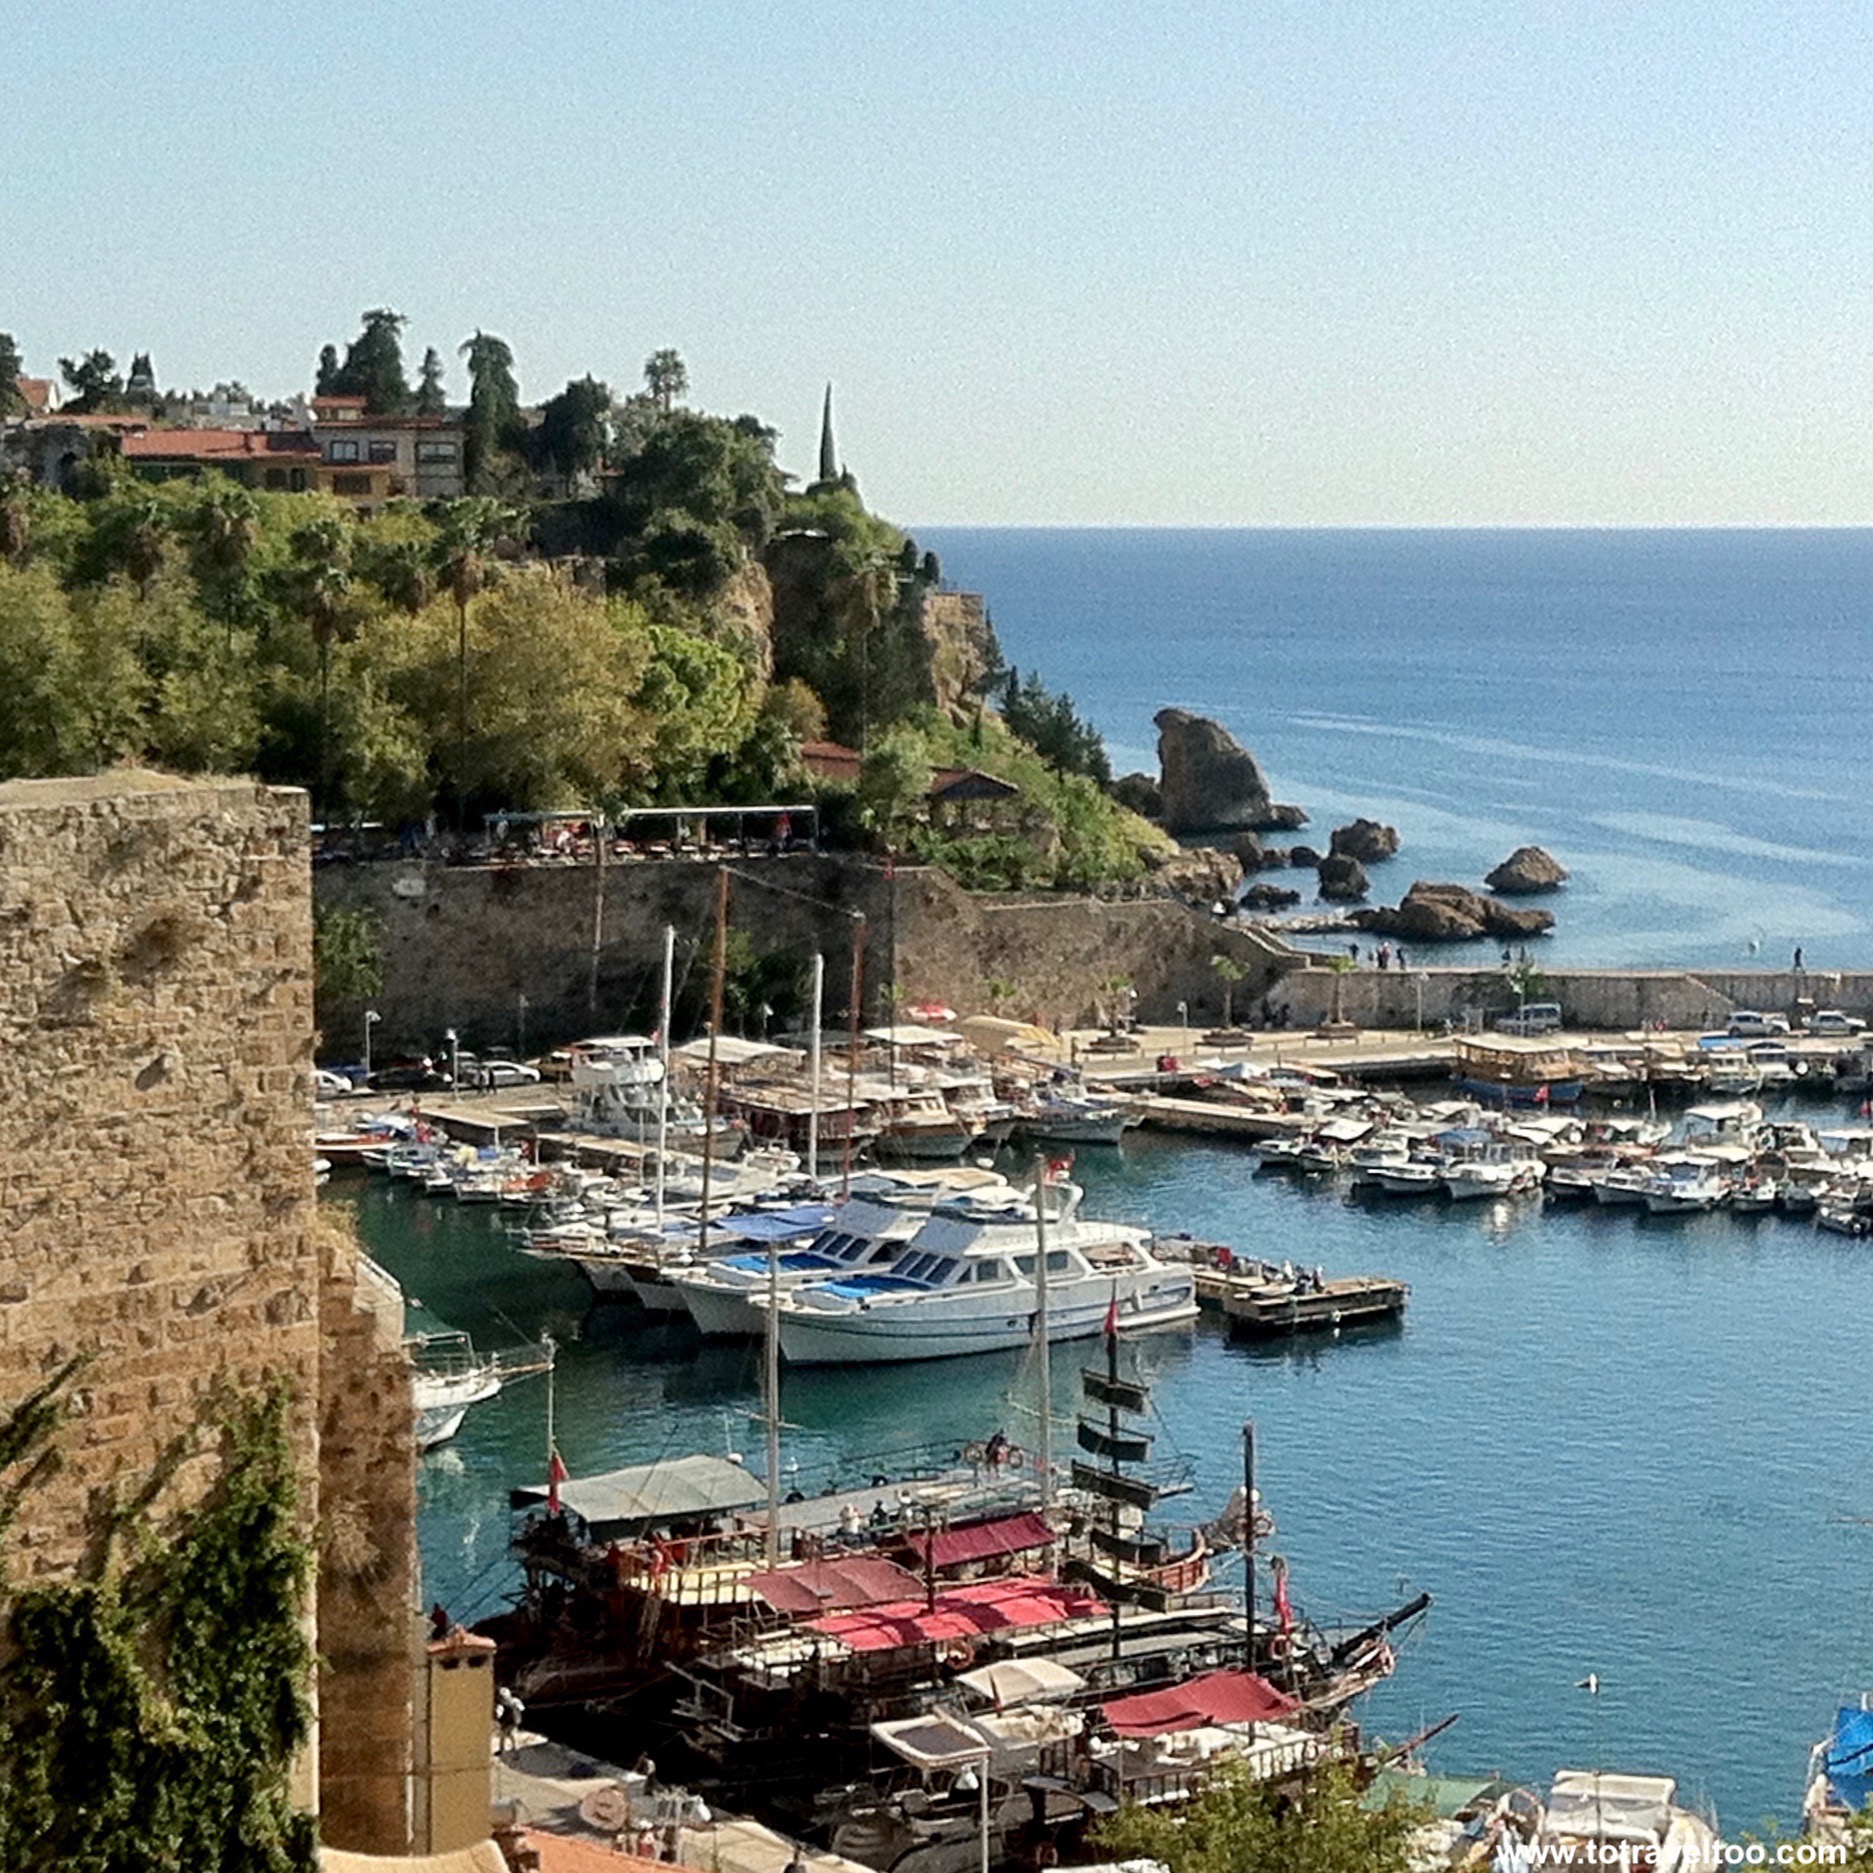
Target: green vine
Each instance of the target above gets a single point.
(150, 1713)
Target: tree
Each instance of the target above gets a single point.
(12, 397)
(373, 366)
(94, 383)
(227, 527)
(1230, 970)
(894, 780)
(1050, 725)
(140, 386)
(464, 552)
(325, 381)
(575, 427)
(1240, 1825)
(666, 378)
(317, 586)
(346, 954)
(432, 398)
(495, 429)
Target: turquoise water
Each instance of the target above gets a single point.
(1604, 1443)
(1677, 715)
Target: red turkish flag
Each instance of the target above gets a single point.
(556, 1473)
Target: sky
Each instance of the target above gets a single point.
(1374, 263)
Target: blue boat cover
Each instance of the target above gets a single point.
(803, 1219)
(859, 1286)
(792, 1262)
(1850, 1758)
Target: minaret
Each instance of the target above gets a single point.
(828, 455)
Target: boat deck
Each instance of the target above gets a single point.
(1260, 1307)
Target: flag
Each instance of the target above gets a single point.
(556, 1473)
(1284, 1613)
(1112, 1315)
(1541, 1095)
(1057, 1169)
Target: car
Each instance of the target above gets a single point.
(1835, 1021)
(407, 1076)
(1752, 1024)
(494, 1073)
(1531, 1019)
(329, 1085)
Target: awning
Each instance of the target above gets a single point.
(1216, 1697)
(935, 1740)
(730, 1051)
(1013, 1681)
(965, 1612)
(833, 1586)
(982, 1541)
(1850, 1758)
(802, 1219)
(908, 1034)
(682, 1490)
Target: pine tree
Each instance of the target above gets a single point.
(373, 367)
(494, 425)
(140, 386)
(12, 397)
(431, 398)
(325, 384)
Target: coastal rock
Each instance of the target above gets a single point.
(1252, 855)
(1365, 840)
(1265, 897)
(1527, 870)
(1451, 913)
(1342, 878)
(1140, 794)
(1283, 818)
(1211, 783)
(1299, 855)
(1202, 873)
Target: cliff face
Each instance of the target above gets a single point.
(873, 645)
(746, 607)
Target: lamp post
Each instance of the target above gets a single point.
(521, 1025)
(1183, 1021)
(455, 1062)
(977, 1770)
(371, 1019)
(1417, 982)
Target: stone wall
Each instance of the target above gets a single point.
(157, 1210)
(460, 946)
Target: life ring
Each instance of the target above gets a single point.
(1014, 1456)
(1278, 1647)
(958, 1654)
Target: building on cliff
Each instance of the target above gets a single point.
(157, 1215)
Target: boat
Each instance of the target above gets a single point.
(972, 1281)
(1622, 1187)
(1590, 1813)
(1308, 1301)
(1840, 1774)
(448, 1377)
(917, 1126)
(1478, 1164)
(1063, 1118)
(1684, 1187)
(1421, 1176)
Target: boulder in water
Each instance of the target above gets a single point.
(1451, 913)
(1264, 897)
(1304, 855)
(1342, 879)
(1365, 840)
(1527, 870)
(1211, 783)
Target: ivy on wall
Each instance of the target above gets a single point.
(151, 1709)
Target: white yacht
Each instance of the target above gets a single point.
(967, 1282)
(1636, 1816)
(1685, 1185)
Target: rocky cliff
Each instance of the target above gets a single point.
(1210, 782)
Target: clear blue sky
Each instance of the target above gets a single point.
(1294, 263)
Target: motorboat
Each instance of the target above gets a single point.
(1421, 1176)
(1589, 1812)
(1624, 1186)
(970, 1281)
(448, 1377)
(1067, 1118)
(1684, 1187)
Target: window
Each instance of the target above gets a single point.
(1057, 1261)
(1024, 1264)
(351, 484)
(276, 478)
(435, 451)
(383, 451)
(346, 451)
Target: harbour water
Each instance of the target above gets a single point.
(1607, 1444)
(1674, 714)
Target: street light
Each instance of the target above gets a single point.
(978, 1773)
(1183, 1021)
(522, 1048)
(371, 1019)
(455, 1060)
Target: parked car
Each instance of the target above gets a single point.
(1752, 1024)
(1835, 1021)
(413, 1075)
(493, 1073)
(329, 1085)
(1532, 1018)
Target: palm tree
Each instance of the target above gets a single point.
(16, 525)
(1231, 972)
(229, 522)
(666, 378)
(320, 592)
(464, 558)
(144, 539)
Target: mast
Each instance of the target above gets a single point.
(1043, 1363)
(1248, 1525)
(770, 1399)
(812, 1115)
(710, 1085)
(851, 1051)
(663, 1055)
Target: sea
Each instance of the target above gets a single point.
(1620, 1452)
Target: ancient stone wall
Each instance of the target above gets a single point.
(460, 946)
(157, 1211)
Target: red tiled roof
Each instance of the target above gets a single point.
(981, 1541)
(969, 783)
(1216, 1697)
(830, 761)
(38, 394)
(965, 1612)
(566, 1853)
(339, 403)
(212, 445)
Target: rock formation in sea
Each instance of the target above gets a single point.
(1264, 897)
(1200, 873)
(1527, 870)
(1343, 879)
(1304, 856)
(1210, 782)
(1252, 854)
(1139, 792)
(1365, 840)
(1450, 913)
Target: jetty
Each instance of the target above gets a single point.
(1265, 1309)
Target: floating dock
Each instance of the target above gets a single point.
(1266, 1309)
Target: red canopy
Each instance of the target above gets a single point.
(965, 1612)
(980, 1541)
(829, 1586)
(1216, 1697)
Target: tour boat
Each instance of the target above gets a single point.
(1631, 1819)
(1409, 1177)
(1064, 1119)
(1623, 1186)
(970, 1281)
(1682, 1188)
